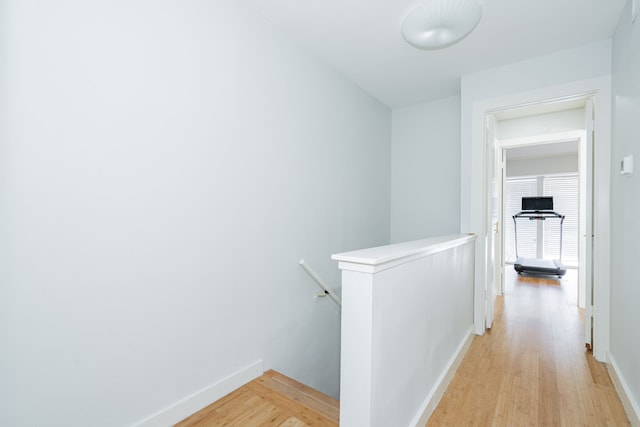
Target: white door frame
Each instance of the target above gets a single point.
(579, 136)
(500, 172)
(600, 89)
(491, 227)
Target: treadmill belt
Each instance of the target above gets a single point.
(539, 266)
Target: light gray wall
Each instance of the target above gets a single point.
(542, 166)
(584, 62)
(164, 167)
(541, 124)
(625, 204)
(425, 170)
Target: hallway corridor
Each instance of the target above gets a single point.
(531, 368)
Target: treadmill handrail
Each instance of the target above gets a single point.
(537, 216)
(541, 215)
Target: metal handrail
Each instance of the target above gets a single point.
(326, 291)
(537, 216)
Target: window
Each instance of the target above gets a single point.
(515, 190)
(565, 192)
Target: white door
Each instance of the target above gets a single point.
(587, 263)
(491, 220)
(500, 176)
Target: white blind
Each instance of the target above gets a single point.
(515, 190)
(565, 191)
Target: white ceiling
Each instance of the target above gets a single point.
(362, 39)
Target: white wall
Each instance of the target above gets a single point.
(625, 205)
(425, 170)
(542, 166)
(543, 72)
(164, 167)
(541, 124)
(406, 326)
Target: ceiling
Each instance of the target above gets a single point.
(362, 40)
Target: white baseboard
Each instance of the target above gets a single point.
(198, 400)
(433, 398)
(630, 405)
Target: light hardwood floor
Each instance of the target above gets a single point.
(270, 400)
(532, 367)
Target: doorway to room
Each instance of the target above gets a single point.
(543, 150)
(479, 151)
(551, 171)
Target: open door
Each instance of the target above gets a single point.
(582, 221)
(492, 236)
(586, 262)
(500, 176)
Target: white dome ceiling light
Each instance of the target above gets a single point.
(437, 24)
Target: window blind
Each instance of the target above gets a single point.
(565, 191)
(515, 190)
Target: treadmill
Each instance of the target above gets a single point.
(538, 209)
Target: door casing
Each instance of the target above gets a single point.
(600, 89)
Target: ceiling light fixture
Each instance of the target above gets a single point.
(437, 24)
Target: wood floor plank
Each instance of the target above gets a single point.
(300, 411)
(270, 400)
(301, 394)
(531, 368)
(317, 395)
(293, 422)
(218, 411)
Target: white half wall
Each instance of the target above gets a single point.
(407, 319)
(164, 166)
(425, 170)
(625, 207)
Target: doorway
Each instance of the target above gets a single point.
(474, 212)
(549, 168)
(531, 156)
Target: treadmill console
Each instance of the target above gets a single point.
(537, 203)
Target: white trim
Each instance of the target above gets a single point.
(547, 138)
(380, 258)
(630, 405)
(200, 399)
(432, 400)
(475, 177)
